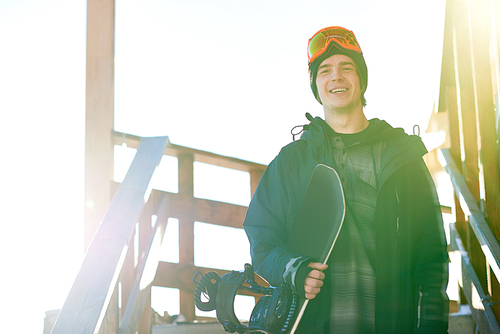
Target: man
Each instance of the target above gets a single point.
(388, 270)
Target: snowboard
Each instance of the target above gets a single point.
(318, 222)
(313, 234)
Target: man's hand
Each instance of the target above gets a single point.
(314, 280)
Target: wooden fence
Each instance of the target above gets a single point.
(467, 93)
(112, 292)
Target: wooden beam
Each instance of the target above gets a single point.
(186, 228)
(467, 111)
(127, 276)
(99, 115)
(468, 280)
(484, 97)
(186, 174)
(495, 7)
(477, 221)
(199, 155)
(481, 28)
(180, 275)
(447, 61)
(454, 128)
(88, 299)
(255, 176)
(465, 92)
(207, 211)
(200, 209)
(146, 272)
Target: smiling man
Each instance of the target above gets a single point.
(339, 90)
(388, 270)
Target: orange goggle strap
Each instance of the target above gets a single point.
(342, 37)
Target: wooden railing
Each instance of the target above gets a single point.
(112, 292)
(471, 285)
(95, 289)
(468, 90)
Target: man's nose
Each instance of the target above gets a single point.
(336, 76)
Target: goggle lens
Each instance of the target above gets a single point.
(319, 42)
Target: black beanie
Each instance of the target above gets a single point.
(333, 49)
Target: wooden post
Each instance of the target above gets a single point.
(112, 318)
(84, 308)
(255, 176)
(481, 26)
(495, 6)
(451, 98)
(465, 91)
(186, 229)
(186, 177)
(448, 84)
(127, 276)
(145, 322)
(484, 98)
(467, 118)
(448, 103)
(99, 113)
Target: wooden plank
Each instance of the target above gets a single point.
(465, 90)
(468, 280)
(453, 116)
(495, 7)
(186, 228)
(179, 276)
(84, 309)
(455, 150)
(201, 156)
(447, 61)
(127, 277)
(112, 318)
(483, 90)
(478, 259)
(176, 275)
(186, 255)
(460, 219)
(186, 174)
(467, 112)
(481, 27)
(477, 221)
(255, 176)
(207, 211)
(202, 210)
(146, 271)
(145, 323)
(99, 117)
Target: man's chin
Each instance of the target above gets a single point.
(342, 109)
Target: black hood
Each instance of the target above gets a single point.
(376, 131)
(400, 148)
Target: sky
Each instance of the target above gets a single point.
(224, 76)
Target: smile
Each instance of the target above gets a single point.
(338, 90)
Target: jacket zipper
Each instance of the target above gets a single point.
(397, 218)
(419, 307)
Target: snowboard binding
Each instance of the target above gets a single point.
(273, 314)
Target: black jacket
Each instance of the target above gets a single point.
(411, 257)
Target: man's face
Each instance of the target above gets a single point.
(338, 84)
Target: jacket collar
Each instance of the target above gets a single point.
(400, 147)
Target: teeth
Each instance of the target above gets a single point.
(338, 90)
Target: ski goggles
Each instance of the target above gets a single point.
(342, 37)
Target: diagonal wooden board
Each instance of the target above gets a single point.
(319, 221)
